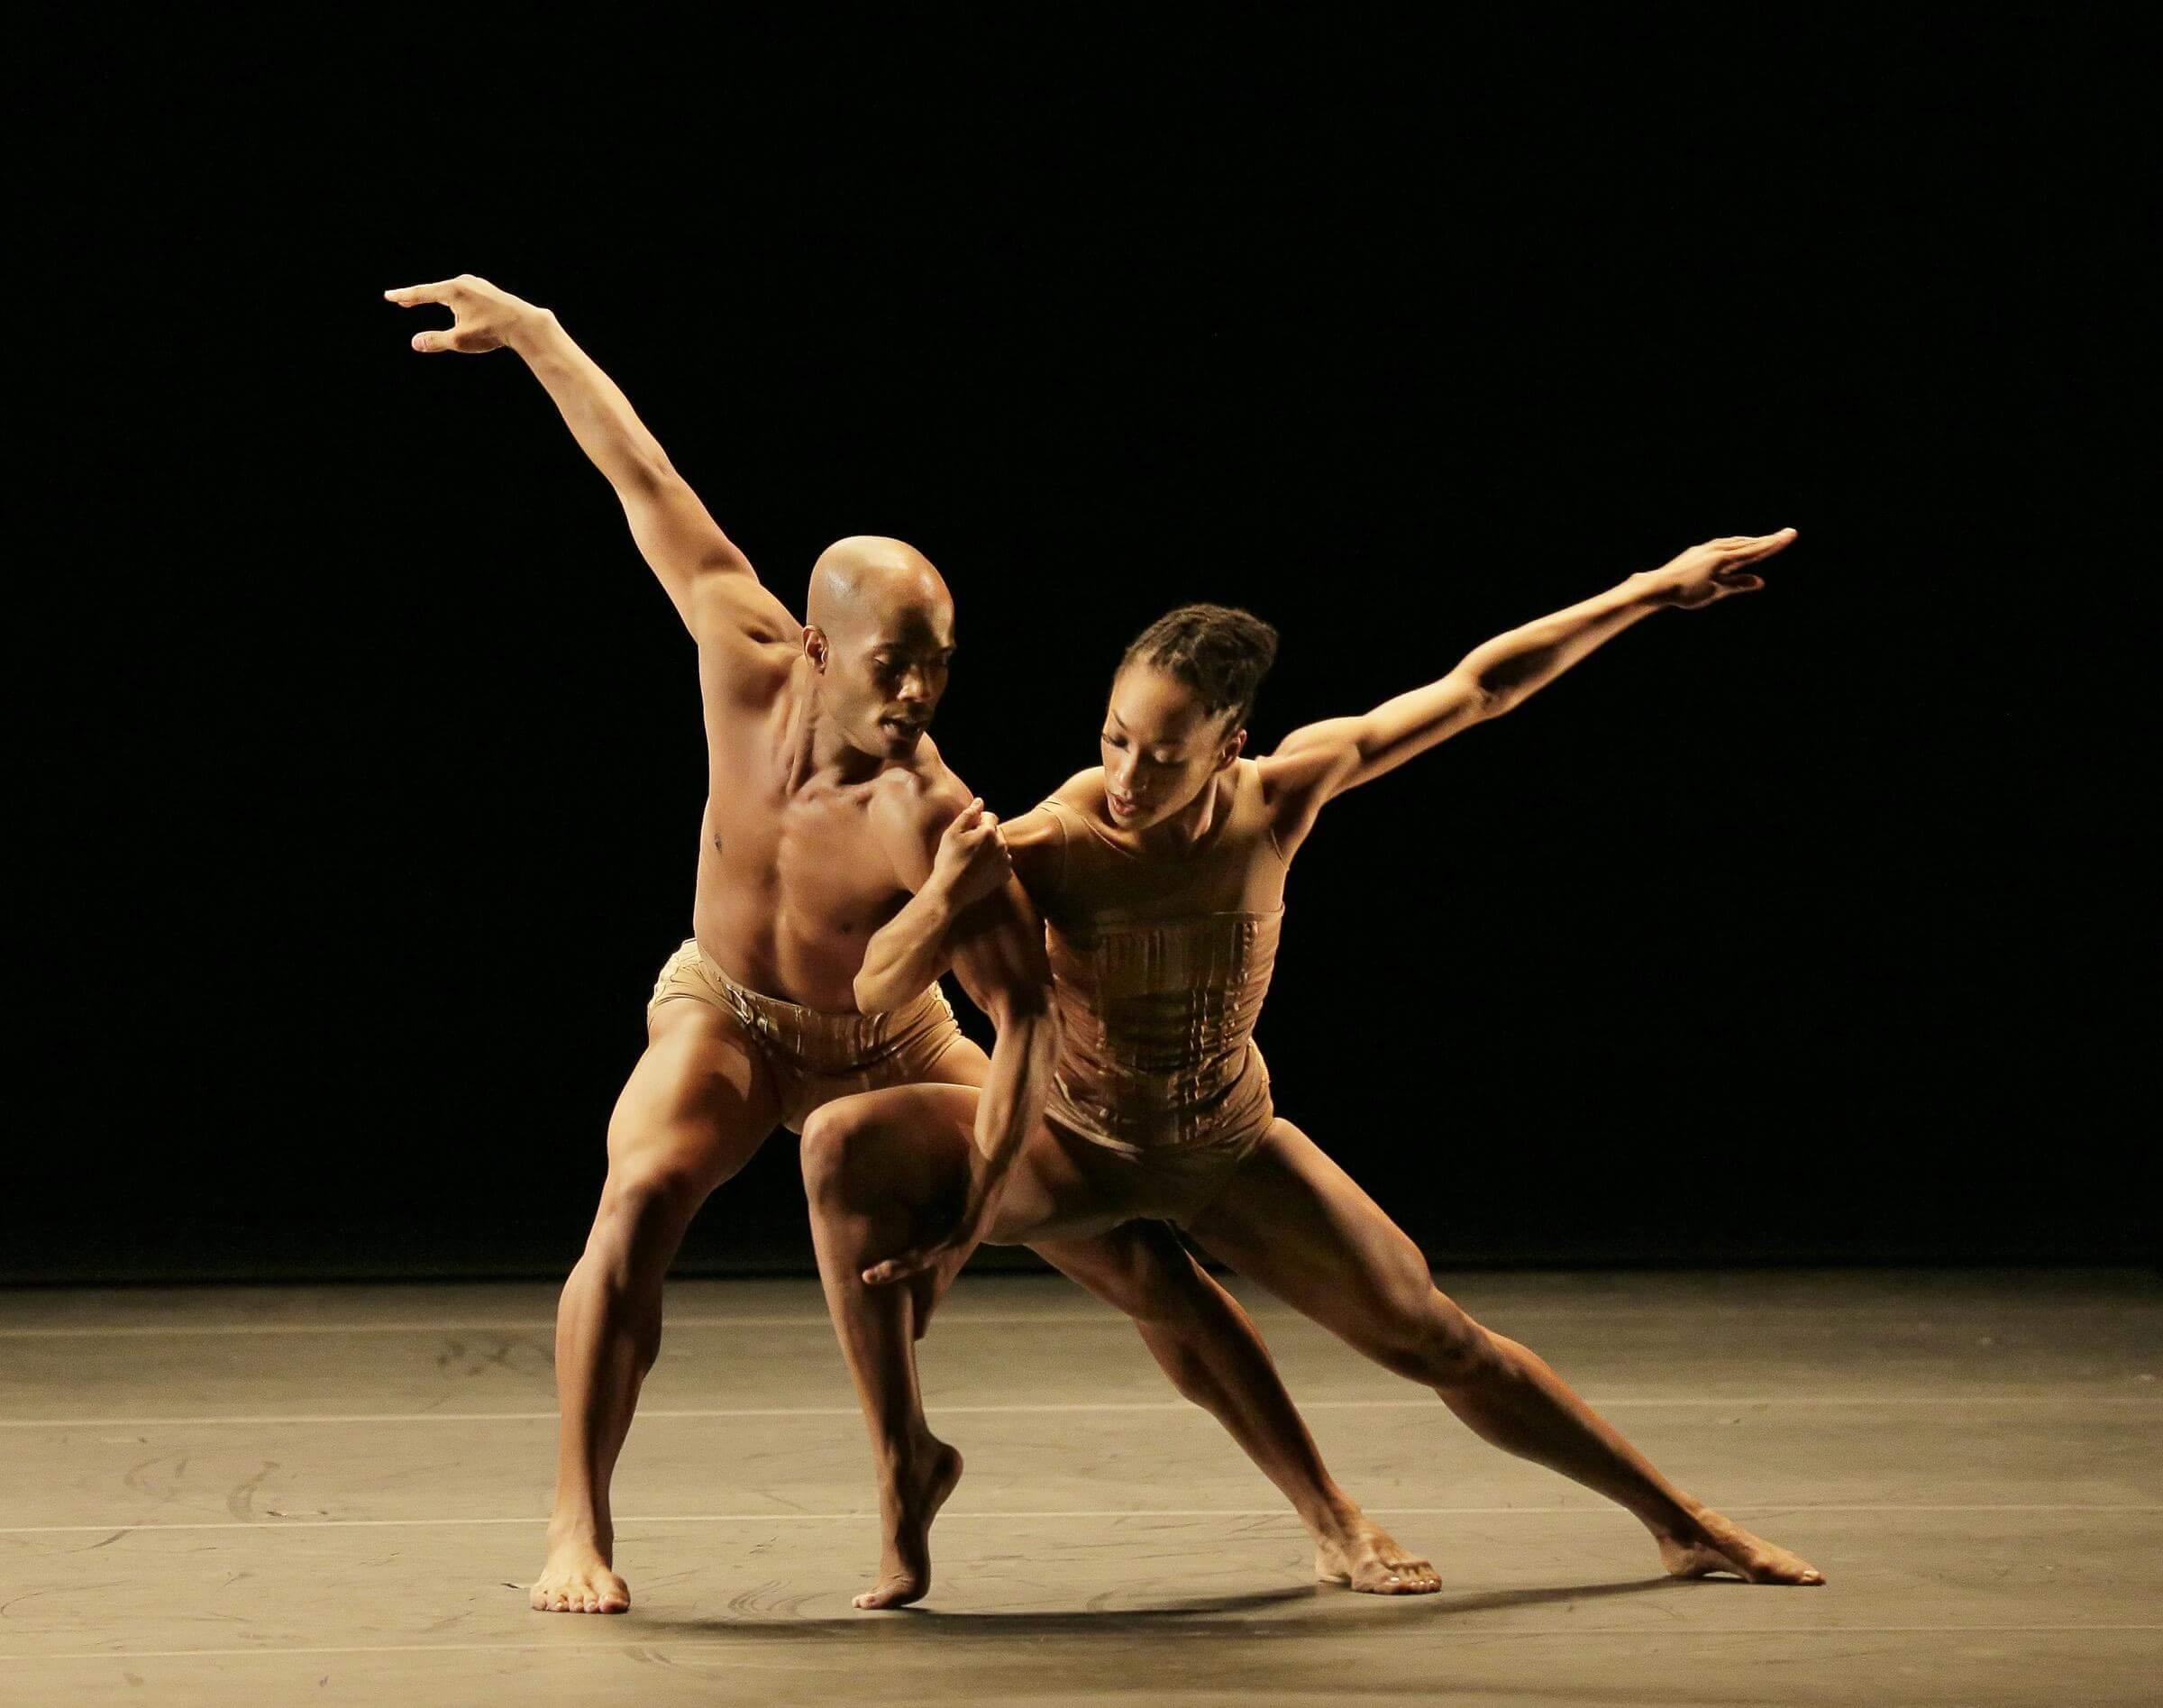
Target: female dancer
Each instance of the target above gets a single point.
(1161, 877)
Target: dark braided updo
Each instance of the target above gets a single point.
(1219, 651)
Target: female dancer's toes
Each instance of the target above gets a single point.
(1721, 1545)
(910, 1505)
(577, 1579)
(1368, 1561)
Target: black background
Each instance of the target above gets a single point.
(358, 763)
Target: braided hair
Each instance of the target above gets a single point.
(1219, 651)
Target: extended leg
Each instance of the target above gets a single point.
(693, 1111)
(1214, 1356)
(1300, 1225)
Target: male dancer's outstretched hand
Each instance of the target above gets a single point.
(1716, 569)
(488, 318)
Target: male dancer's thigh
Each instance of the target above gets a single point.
(1291, 1219)
(697, 1105)
(924, 1154)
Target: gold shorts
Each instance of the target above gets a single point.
(814, 1057)
(1171, 1182)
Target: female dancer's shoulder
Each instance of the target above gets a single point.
(1038, 840)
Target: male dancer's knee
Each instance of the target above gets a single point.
(644, 1212)
(839, 1159)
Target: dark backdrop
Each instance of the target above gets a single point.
(358, 763)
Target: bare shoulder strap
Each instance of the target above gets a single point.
(1061, 812)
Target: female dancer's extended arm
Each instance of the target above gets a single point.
(1326, 759)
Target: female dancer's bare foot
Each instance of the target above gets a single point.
(1721, 1545)
(577, 1579)
(1367, 1559)
(908, 1510)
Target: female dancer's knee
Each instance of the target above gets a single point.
(1431, 1340)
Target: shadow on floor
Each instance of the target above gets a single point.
(1243, 1615)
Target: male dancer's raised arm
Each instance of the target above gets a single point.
(1323, 760)
(710, 583)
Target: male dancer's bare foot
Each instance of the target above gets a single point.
(1367, 1559)
(1721, 1545)
(577, 1579)
(907, 1509)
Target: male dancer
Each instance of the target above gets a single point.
(825, 809)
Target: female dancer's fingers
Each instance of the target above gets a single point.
(884, 1275)
(1764, 546)
(924, 1290)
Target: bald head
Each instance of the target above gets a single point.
(867, 581)
(882, 636)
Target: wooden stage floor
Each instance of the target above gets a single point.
(336, 1494)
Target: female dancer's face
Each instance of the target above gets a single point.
(1160, 747)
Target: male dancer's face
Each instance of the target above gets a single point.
(884, 675)
(1160, 747)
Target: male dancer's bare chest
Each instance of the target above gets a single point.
(792, 885)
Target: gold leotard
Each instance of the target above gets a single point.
(1157, 1063)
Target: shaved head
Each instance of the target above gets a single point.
(880, 635)
(861, 582)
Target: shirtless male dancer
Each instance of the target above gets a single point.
(825, 805)
(1160, 875)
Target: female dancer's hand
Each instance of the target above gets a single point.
(1715, 570)
(972, 861)
(488, 318)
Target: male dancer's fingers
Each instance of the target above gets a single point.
(414, 295)
(1740, 583)
(430, 342)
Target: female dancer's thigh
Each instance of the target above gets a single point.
(1293, 1220)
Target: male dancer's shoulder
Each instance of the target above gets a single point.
(914, 799)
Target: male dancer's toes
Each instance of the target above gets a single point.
(910, 1498)
(1721, 1545)
(578, 1579)
(1368, 1559)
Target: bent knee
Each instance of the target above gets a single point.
(1432, 1340)
(847, 1151)
(829, 1143)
